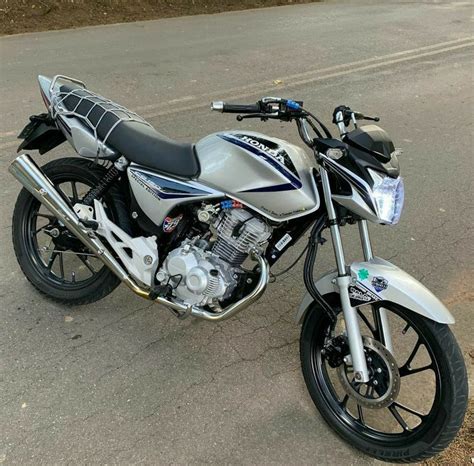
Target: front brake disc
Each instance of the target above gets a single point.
(384, 383)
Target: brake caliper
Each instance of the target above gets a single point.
(335, 350)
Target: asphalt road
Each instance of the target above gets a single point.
(123, 381)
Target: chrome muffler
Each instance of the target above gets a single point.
(25, 170)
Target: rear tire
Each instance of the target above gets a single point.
(25, 245)
(438, 428)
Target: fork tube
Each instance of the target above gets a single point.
(343, 281)
(385, 337)
(365, 240)
(333, 226)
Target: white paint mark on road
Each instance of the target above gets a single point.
(186, 98)
(290, 81)
(8, 134)
(298, 79)
(7, 145)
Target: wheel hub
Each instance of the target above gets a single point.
(62, 238)
(384, 378)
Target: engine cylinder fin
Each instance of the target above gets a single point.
(239, 231)
(228, 252)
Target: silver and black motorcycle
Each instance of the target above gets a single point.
(197, 229)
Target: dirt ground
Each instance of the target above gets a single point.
(43, 15)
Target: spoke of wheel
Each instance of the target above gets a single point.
(39, 229)
(51, 260)
(370, 392)
(413, 354)
(344, 401)
(75, 197)
(65, 196)
(392, 408)
(407, 370)
(61, 265)
(366, 321)
(408, 410)
(50, 217)
(360, 414)
(356, 385)
(378, 325)
(86, 263)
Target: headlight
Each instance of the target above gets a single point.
(388, 194)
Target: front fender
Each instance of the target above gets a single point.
(379, 280)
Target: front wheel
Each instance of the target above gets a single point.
(415, 401)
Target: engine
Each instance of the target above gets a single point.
(202, 272)
(238, 231)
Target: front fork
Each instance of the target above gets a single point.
(343, 281)
(380, 315)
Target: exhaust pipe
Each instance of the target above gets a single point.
(25, 170)
(233, 309)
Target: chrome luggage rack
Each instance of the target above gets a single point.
(82, 94)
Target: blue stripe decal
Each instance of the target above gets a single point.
(271, 189)
(164, 188)
(295, 182)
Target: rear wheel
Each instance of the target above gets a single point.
(53, 259)
(415, 401)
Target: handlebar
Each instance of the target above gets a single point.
(270, 106)
(224, 107)
(277, 108)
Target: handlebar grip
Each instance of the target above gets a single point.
(223, 107)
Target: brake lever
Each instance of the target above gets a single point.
(262, 116)
(244, 117)
(361, 116)
(371, 118)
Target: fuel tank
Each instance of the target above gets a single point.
(272, 176)
(269, 175)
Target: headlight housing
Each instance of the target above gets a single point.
(389, 194)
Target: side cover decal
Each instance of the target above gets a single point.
(165, 188)
(276, 157)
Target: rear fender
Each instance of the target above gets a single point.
(379, 280)
(41, 134)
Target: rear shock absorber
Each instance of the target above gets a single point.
(113, 173)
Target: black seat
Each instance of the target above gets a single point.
(137, 141)
(142, 144)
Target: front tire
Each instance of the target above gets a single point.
(47, 271)
(435, 427)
